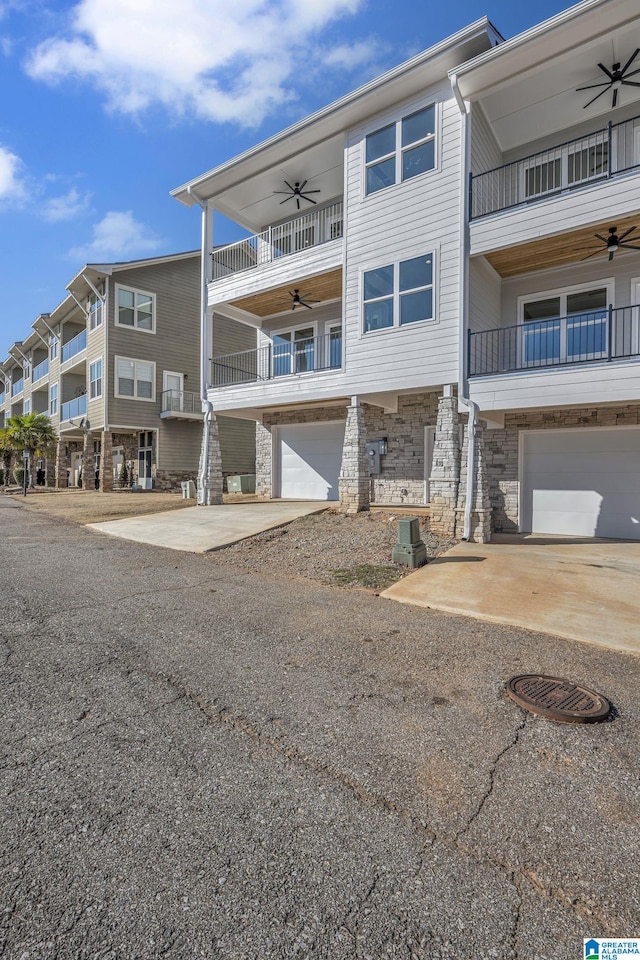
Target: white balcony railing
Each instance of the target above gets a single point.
(309, 230)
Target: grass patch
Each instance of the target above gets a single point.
(367, 575)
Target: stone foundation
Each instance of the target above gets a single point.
(354, 484)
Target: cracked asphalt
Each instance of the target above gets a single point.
(207, 761)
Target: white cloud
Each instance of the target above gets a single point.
(118, 236)
(212, 59)
(11, 174)
(65, 207)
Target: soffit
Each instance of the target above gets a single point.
(556, 251)
(327, 286)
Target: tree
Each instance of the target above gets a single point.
(31, 432)
(7, 452)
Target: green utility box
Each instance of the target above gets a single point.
(410, 549)
(243, 483)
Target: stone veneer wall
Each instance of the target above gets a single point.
(501, 449)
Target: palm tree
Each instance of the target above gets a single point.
(7, 451)
(31, 432)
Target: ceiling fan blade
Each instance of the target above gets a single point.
(298, 202)
(611, 253)
(309, 200)
(589, 255)
(615, 97)
(630, 83)
(600, 237)
(632, 74)
(595, 98)
(302, 185)
(592, 86)
(628, 246)
(309, 191)
(630, 60)
(626, 233)
(290, 187)
(285, 199)
(283, 192)
(606, 70)
(307, 306)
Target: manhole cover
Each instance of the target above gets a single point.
(558, 699)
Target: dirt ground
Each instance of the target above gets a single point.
(88, 506)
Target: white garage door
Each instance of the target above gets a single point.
(583, 483)
(309, 458)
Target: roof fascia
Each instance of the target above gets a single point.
(327, 122)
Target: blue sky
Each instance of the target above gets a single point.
(109, 104)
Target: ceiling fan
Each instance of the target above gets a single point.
(301, 299)
(613, 242)
(617, 77)
(298, 192)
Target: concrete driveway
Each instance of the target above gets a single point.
(580, 589)
(201, 529)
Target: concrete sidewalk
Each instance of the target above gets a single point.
(580, 589)
(201, 529)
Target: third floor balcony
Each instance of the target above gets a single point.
(74, 346)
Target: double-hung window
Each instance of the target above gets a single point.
(135, 309)
(53, 399)
(95, 380)
(398, 294)
(53, 347)
(401, 150)
(135, 379)
(26, 407)
(95, 312)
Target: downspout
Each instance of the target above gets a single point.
(463, 305)
(207, 406)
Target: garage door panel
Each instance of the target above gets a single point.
(582, 483)
(310, 457)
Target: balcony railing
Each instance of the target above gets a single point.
(74, 346)
(181, 401)
(17, 387)
(2, 398)
(278, 360)
(309, 230)
(74, 408)
(607, 334)
(41, 370)
(613, 150)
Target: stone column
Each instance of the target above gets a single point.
(50, 470)
(62, 465)
(210, 472)
(88, 462)
(354, 483)
(106, 462)
(445, 471)
(264, 457)
(480, 530)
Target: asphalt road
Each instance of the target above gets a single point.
(200, 761)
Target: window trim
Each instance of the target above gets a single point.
(53, 399)
(116, 380)
(116, 311)
(400, 150)
(564, 292)
(397, 293)
(98, 396)
(99, 310)
(291, 329)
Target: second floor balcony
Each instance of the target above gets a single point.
(40, 370)
(74, 346)
(309, 230)
(181, 405)
(74, 408)
(605, 153)
(17, 387)
(285, 359)
(610, 334)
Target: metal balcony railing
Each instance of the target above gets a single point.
(278, 360)
(74, 408)
(181, 401)
(605, 153)
(17, 387)
(309, 230)
(40, 371)
(608, 334)
(2, 398)
(74, 346)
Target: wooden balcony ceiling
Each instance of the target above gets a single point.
(558, 250)
(328, 286)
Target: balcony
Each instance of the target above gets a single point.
(181, 405)
(2, 398)
(597, 156)
(606, 335)
(74, 346)
(17, 387)
(74, 408)
(309, 355)
(40, 371)
(283, 240)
